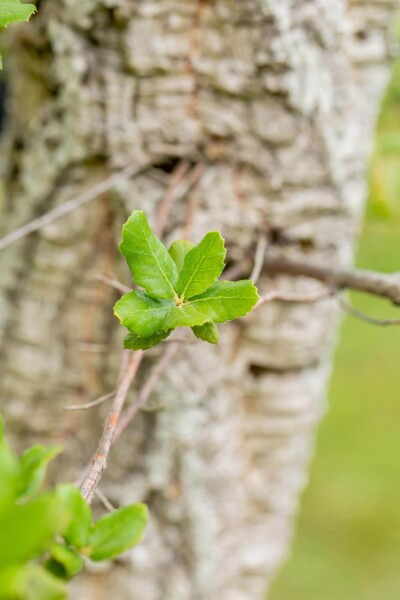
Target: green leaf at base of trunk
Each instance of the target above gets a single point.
(152, 267)
(117, 532)
(203, 264)
(207, 332)
(137, 342)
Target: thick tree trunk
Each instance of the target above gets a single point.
(277, 98)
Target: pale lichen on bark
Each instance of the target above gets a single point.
(278, 99)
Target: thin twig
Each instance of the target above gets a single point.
(354, 312)
(278, 296)
(157, 372)
(380, 284)
(70, 205)
(169, 197)
(127, 375)
(88, 405)
(114, 283)
(259, 258)
(104, 500)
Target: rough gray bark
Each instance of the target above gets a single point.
(278, 99)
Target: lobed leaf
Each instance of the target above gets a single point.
(151, 265)
(207, 332)
(117, 532)
(203, 264)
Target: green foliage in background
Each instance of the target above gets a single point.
(180, 287)
(45, 535)
(384, 174)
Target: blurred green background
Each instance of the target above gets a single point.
(347, 545)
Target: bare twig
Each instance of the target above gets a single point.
(169, 198)
(88, 405)
(276, 295)
(354, 312)
(259, 258)
(114, 283)
(380, 284)
(155, 375)
(67, 207)
(104, 500)
(127, 375)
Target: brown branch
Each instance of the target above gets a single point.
(294, 298)
(70, 205)
(170, 196)
(105, 501)
(127, 375)
(157, 372)
(354, 312)
(88, 405)
(114, 283)
(259, 258)
(380, 284)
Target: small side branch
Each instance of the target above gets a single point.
(380, 284)
(127, 375)
(70, 205)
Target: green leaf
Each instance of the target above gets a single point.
(137, 342)
(28, 529)
(178, 251)
(226, 300)
(152, 267)
(12, 11)
(117, 532)
(9, 473)
(207, 332)
(33, 465)
(76, 527)
(202, 266)
(223, 301)
(30, 582)
(146, 316)
(65, 562)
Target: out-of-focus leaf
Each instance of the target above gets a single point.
(34, 523)
(75, 529)
(30, 582)
(117, 532)
(33, 465)
(65, 562)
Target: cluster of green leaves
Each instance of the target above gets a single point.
(13, 11)
(180, 287)
(46, 535)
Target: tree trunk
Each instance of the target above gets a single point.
(277, 98)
